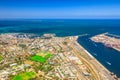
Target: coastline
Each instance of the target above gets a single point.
(88, 52)
(93, 58)
(80, 46)
(96, 62)
(71, 51)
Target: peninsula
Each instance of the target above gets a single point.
(27, 56)
(109, 40)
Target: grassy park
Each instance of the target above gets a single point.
(25, 76)
(1, 58)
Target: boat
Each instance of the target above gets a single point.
(108, 63)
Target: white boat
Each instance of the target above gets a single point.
(108, 63)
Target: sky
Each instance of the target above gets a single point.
(45, 9)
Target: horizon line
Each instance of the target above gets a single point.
(59, 18)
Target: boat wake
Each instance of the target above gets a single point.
(95, 54)
(95, 45)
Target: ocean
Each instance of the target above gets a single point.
(108, 57)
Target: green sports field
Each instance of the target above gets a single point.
(41, 57)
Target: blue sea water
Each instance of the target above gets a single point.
(110, 58)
